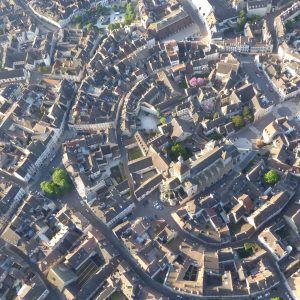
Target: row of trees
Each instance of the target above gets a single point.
(129, 14)
(59, 184)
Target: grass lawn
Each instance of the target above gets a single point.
(134, 153)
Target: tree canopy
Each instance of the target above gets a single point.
(289, 25)
(271, 177)
(89, 26)
(59, 184)
(247, 113)
(129, 14)
(179, 150)
(242, 20)
(113, 26)
(163, 120)
(238, 121)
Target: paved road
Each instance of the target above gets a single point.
(270, 21)
(257, 77)
(44, 26)
(73, 201)
(122, 148)
(13, 250)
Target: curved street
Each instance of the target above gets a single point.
(45, 26)
(75, 202)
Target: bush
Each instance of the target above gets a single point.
(271, 177)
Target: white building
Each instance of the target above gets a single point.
(259, 7)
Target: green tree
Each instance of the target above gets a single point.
(253, 18)
(78, 19)
(113, 26)
(289, 25)
(216, 115)
(246, 111)
(102, 9)
(238, 121)
(163, 120)
(276, 298)
(89, 26)
(129, 14)
(242, 20)
(248, 248)
(59, 185)
(271, 177)
(115, 7)
(45, 69)
(61, 179)
(47, 187)
(179, 150)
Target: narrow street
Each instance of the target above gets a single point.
(14, 251)
(74, 201)
(44, 26)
